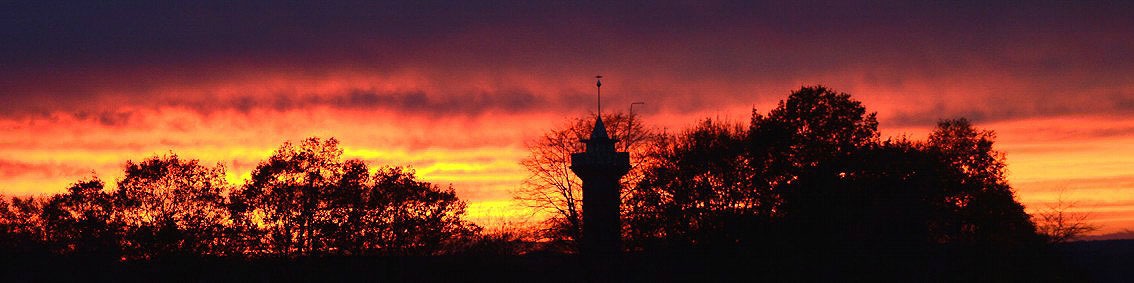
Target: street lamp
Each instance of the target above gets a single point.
(630, 124)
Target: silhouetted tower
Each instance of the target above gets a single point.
(601, 168)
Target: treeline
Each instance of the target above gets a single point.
(808, 191)
(814, 171)
(811, 173)
(303, 201)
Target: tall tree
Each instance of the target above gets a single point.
(288, 191)
(804, 149)
(981, 197)
(171, 206)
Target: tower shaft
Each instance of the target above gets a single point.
(601, 168)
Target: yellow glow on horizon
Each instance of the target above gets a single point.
(478, 152)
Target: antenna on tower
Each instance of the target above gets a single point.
(598, 88)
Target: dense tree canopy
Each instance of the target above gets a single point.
(171, 206)
(814, 171)
(81, 220)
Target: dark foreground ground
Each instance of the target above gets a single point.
(1103, 261)
(1095, 261)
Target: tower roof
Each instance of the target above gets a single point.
(599, 132)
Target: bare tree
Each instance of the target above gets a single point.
(1060, 224)
(552, 188)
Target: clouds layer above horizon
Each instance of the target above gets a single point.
(456, 89)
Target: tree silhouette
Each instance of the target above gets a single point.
(170, 206)
(696, 191)
(406, 216)
(80, 221)
(305, 200)
(810, 179)
(813, 171)
(980, 195)
(810, 144)
(22, 223)
(552, 188)
(819, 122)
(721, 185)
(288, 192)
(1059, 224)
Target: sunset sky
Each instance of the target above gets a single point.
(455, 90)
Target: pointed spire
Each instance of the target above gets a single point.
(599, 132)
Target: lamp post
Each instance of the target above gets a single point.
(630, 124)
